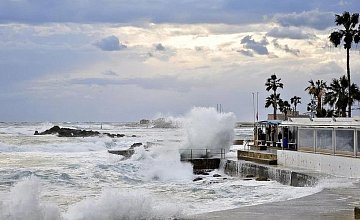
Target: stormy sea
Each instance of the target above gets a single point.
(52, 177)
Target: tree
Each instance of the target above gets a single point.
(273, 83)
(348, 35)
(311, 107)
(284, 107)
(274, 101)
(317, 90)
(337, 95)
(295, 101)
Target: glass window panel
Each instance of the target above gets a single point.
(345, 140)
(324, 139)
(306, 138)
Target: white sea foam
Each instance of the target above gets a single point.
(163, 163)
(23, 202)
(84, 180)
(208, 129)
(115, 204)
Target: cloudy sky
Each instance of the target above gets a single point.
(117, 60)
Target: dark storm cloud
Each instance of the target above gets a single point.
(164, 11)
(258, 47)
(110, 43)
(159, 47)
(286, 48)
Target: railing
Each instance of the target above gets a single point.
(190, 154)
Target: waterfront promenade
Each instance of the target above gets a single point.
(330, 203)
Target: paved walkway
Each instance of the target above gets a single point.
(333, 203)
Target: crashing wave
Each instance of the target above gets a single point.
(165, 123)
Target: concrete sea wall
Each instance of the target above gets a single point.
(330, 164)
(285, 176)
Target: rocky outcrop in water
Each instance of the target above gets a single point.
(70, 132)
(126, 153)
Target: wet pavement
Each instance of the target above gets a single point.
(330, 203)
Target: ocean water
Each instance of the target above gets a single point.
(50, 177)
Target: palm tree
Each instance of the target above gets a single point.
(317, 90)
(284, 107)
(348, 35)
(273, 101)
(337, 95)
(311, 107)
(273, 83)
(295, 100)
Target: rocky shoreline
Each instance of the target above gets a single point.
(70, 132)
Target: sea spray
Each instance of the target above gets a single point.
(207, 129)
(23, 202)
(162, 163)
(70, 172)
(117, 204)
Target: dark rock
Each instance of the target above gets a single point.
(216, 175)
(249, 176)
(133, 135)
(135, 145)
(144, 121)
(200, 172)
(357, 213)
(197, 179)
(69, 132)
(247, 179)
(262, 179)
(126, 153)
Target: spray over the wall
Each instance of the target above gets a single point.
(208, 129)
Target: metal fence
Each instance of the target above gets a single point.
(189, 154)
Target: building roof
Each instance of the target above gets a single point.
(270, 122)
(322, 122)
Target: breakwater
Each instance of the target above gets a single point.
(284, 176)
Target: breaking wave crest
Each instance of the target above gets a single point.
(24, 202)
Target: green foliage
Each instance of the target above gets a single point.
(295, 101)
(337, 95)
(317, 90)
(348, 35)
(273, 83)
